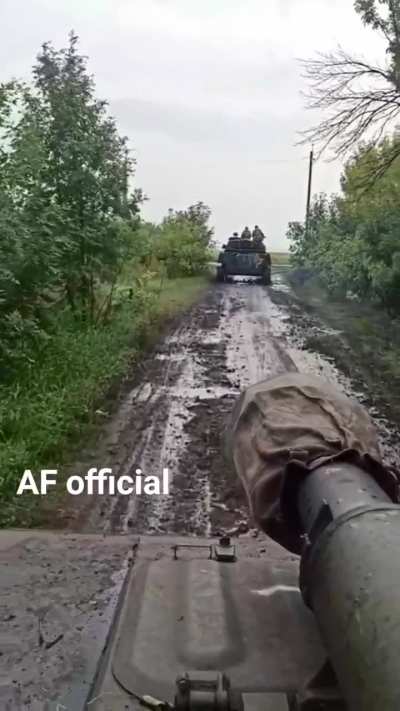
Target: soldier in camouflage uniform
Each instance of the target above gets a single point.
(258, 235)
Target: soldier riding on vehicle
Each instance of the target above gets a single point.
(244, 256)
(258, 235)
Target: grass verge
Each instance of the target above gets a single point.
(280, 258)
(54, 403)
(366, 345)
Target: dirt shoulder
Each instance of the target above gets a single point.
(363, 341)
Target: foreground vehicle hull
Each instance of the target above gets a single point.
(171, 610)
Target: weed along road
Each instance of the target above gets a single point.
(173, 415)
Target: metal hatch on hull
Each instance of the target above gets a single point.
(245, 618)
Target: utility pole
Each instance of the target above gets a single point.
(310, 171)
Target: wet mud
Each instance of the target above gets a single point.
(175, 413)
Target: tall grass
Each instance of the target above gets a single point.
(52, 403)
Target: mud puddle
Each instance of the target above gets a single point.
(175, 415)
(304, 333)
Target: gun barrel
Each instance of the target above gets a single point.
(350, 577)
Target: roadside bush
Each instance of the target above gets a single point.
(180, 249)
(55, 398)
(385, 282)
(82, 279)
(352, 240)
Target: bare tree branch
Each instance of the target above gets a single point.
(360, 98)
(362, 102)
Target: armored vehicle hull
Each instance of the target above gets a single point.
(244, 258)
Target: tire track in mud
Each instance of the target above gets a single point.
(176, 415)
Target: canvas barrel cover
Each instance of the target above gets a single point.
(284, 427)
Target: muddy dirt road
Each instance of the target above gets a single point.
(175, 414)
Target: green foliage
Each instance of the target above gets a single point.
(360, 97)
(54, 400)
(66, 218)
(181, 245)
(387, 21)
(80, 274)
(353, 239)
(68, 223)
(184, 241)
(196, 217)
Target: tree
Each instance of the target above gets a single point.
(184, 239)
(303, 241)
(363, 99)
(67, 217)
(295, 234)
(86, 172)
(198, 216)
(353, 244)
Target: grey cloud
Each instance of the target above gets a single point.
(208, 92)
(216, 129)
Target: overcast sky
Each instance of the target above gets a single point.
(208, 92)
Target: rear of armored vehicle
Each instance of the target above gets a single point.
(245, 262)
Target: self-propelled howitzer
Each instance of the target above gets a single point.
(244, 257)
(309, 459)
(220, 624)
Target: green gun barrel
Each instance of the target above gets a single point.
(350, 577)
